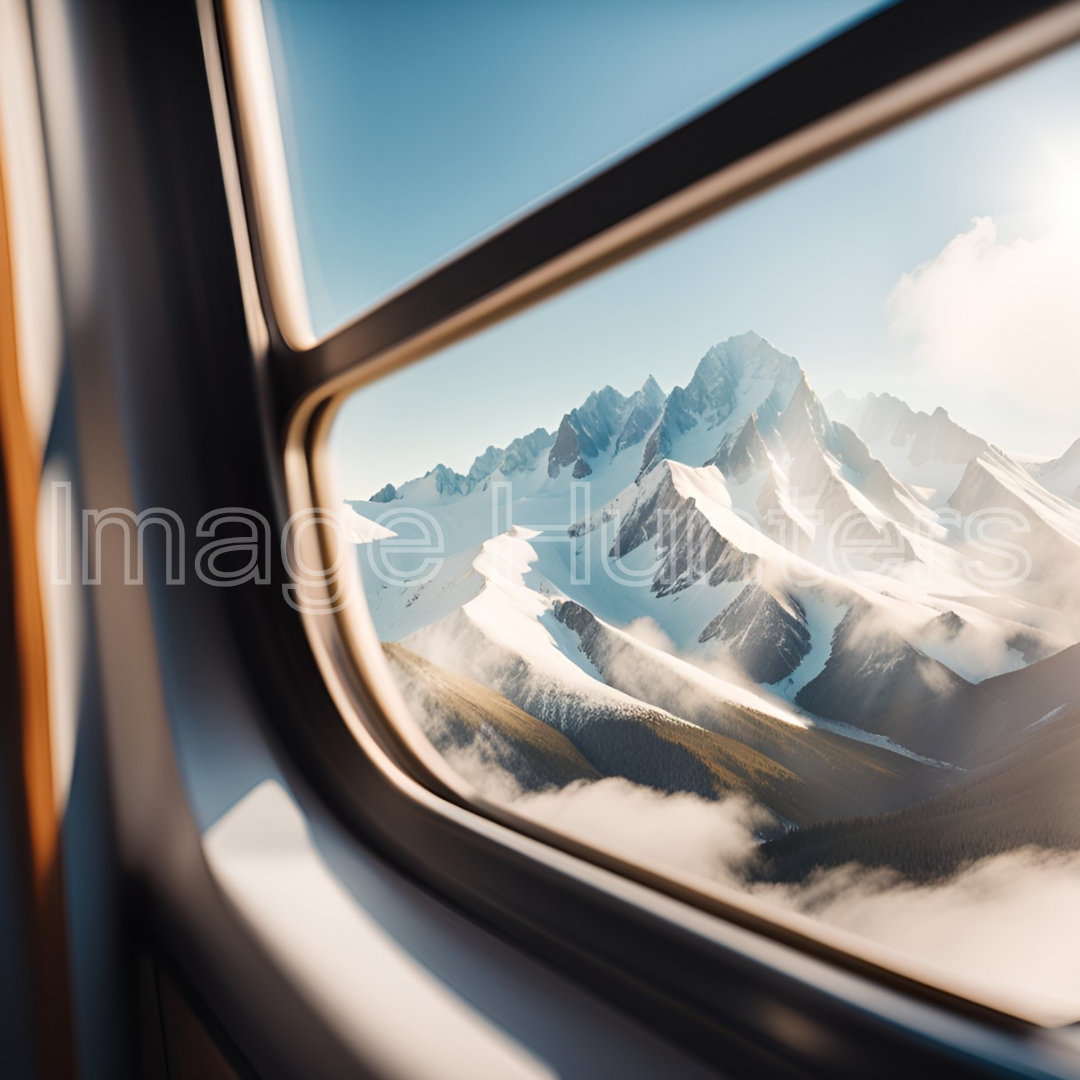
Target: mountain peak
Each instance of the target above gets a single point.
(885, 421)
(741, 354)
(735, 378)
(650, 390)
(804, 422)
(745, 401)
(1061, 475)
(748, 337)
(605, 418)
(447, 481)
(1071, 457)
(742, 453)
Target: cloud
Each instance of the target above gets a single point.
(1001, 316)
(649, 631)
(1004, 927)
(683, 832)
(1006, 924)
(712, 840)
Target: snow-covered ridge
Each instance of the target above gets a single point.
(1061, 475)
(441, 482)
(735, 378)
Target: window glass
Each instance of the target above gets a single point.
(413, 126)
(759, 557)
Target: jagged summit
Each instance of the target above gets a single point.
(1070, 459)
(740, 377)
(885, 420)
(645, 406)
(1061, 475)
(605, 420)
(732, 380)
(742, 453)
(519, 456)
(750, 410)
(804, 423)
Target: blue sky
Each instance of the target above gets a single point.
(413, 126)
(986, 327)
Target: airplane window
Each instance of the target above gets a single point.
(757, 558)
(412, 128)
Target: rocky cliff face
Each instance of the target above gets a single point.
(606, 422)
(687, 546)
(766, 635)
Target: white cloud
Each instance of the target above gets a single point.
(681, 831)
(650, 632)
(958, 918)
(1005, 925)
(1003, 928)
(998, 316)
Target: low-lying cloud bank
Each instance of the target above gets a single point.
(1007, 926)
(1009, 921)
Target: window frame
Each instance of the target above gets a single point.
(582, 908)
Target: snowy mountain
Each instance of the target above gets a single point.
(521, 456)
(606, 420)
(926, 451)
(740, 587)
(1061, 475)
(739, 378)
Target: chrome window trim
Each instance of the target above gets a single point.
(906, 71)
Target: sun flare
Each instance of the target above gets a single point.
(1057, 187)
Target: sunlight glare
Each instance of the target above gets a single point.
(1058, 185)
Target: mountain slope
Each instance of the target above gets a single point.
(460, 715)
(1030, 798)
(926, 451)
(1061, 475)
(826, 774)
(972, 725)
(871, 670)
(635, 712)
